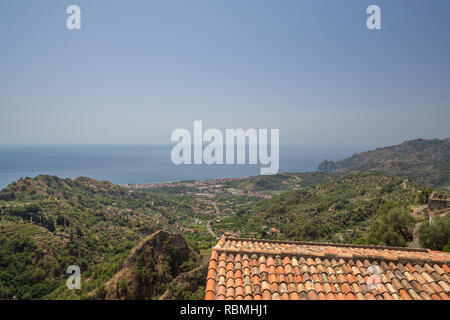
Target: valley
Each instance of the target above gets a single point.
(152, 241)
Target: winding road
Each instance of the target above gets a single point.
(209, 229)
(208, 224)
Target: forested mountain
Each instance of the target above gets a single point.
(425, 161)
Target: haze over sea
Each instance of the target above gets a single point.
(127, 164)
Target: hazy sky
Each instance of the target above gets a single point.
(137, 70)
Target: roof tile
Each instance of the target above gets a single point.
(265, 269)
(294, 296)
(312, 295)
(266, 295)
(284, 296)
(211, 285)
(444, 296)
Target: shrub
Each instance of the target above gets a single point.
(435, 235)
(393, 228)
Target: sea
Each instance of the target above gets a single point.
(130, 164)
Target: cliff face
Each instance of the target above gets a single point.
(150, 267)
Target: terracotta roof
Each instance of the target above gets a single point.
(288, 270)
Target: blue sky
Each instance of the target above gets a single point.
(137, 70)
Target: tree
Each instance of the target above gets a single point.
(435, 235)
(51, 226)
(392, 228)
(423, 197)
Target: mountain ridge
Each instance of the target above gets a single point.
(426, 161)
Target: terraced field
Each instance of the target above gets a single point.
(42, 236)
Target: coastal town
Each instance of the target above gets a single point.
(209, 203)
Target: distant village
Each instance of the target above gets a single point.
(202, 188)
(204, 195)
(211, 201)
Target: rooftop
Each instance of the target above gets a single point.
(438, 196)
(254, 269)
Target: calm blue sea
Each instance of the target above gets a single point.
(140, 164)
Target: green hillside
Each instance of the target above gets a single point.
(284, 181)
(425, 161)
(337, 211)
(48, 224)
(152, 268)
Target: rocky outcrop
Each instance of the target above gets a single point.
(188, 286)
(150, 267)
(328, 166)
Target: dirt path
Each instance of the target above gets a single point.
(209, 229)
